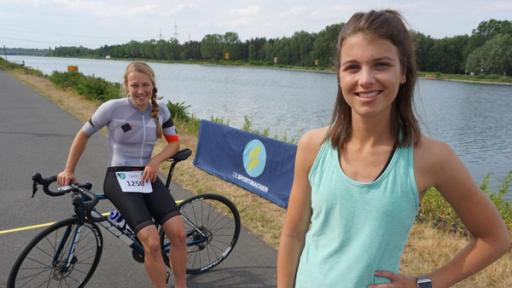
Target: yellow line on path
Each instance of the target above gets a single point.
(19, 229)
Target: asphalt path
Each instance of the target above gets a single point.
(34, 137)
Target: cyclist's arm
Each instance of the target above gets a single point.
(75, 151)
(151, 169)
(299, 210)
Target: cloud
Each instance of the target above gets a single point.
(499, 6)
(294, 12)
(150, 9)
(241, 16)
(107, 9)
(249, 11)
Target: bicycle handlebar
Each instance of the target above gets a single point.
(84, 189)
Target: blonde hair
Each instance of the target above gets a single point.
(141, 67)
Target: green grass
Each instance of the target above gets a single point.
(491, 78)
(6, 65)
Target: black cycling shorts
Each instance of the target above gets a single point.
(139, 209)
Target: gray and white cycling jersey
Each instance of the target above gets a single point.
(131, 133)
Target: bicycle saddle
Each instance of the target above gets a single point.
(181, 155)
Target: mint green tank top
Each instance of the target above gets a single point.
(356, 228)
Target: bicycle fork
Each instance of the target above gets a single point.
(70, 258)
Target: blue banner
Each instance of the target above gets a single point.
(258, 164)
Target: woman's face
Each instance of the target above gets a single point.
(140, 89)
(370, 74)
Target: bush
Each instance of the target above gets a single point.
(65, 79)
(179, 111)
(436, 210)
(183, 118)
(91, 87)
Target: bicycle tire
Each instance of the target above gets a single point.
(218, 218)
(37, 259)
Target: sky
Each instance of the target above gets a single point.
(95, 23)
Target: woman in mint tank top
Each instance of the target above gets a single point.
(358, 182)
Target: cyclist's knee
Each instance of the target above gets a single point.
(150, 239)
(177, 236)
(175, 230)
(151, 245)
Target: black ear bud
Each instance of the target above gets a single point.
(155, 90)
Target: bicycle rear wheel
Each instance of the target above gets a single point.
(45, 262)
(212, 225)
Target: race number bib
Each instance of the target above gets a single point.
(131, 181)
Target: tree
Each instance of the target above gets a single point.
(494, 57)
(256, 49)
(191, 50)
(212, 47)
(324, 47)
(301, 45)
(232, 45)
(446, 55)
(485, 31)
(423, 45)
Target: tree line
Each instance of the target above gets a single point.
(488, 50)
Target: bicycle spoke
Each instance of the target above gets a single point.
(212, 230)
(39, 266)
(38, 262)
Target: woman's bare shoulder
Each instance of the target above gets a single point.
(313, 138)
(429, 148)
(309, 145)
(430, 157)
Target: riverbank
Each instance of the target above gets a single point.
(432, 246)
(478, 79)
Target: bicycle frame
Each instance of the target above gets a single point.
(63, 251)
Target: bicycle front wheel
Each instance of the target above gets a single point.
(212, 225)
(64, 255)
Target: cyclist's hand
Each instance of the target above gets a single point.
(65, 178)
(397, 280)
(150, 172)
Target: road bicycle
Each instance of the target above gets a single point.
(67, 253)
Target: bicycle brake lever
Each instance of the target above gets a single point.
(34, 188)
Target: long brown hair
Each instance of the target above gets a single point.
(141, 67)
(388, 25)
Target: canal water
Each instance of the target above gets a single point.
(475, 119)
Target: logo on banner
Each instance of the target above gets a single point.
(255, 158)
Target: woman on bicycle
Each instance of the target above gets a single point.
(134, 124)
(358, 182)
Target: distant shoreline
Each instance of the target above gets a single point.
(504, 80)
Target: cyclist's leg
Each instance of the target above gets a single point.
(134, 208)
(175, 230)
(164, 209)
(153, 261)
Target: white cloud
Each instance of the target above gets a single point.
(150, 9)
(241, 17)
(294, 12)
(249, 11)
(106, 9)
(499, 6)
